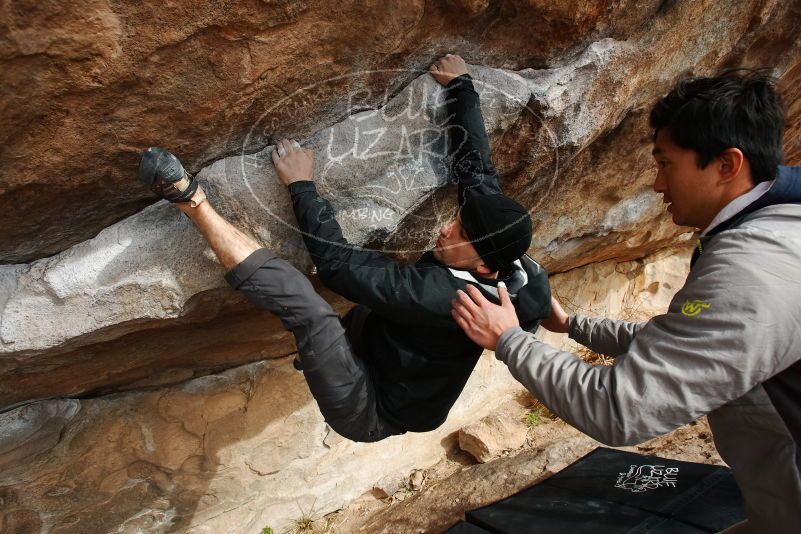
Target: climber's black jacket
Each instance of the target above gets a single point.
(418, 358)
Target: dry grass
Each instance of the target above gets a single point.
(628, 313)
(536, 412)
(592, 357)
(309, 523)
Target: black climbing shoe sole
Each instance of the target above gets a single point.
(162, 173)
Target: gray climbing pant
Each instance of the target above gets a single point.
(337, 378)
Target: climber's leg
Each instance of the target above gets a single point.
(164, 174)
(338, 380)
(230, 244)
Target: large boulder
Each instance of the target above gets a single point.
(137, 391)
(247, 448)
(143, 302)
(376, 166)
(87, 85)
(230, 452)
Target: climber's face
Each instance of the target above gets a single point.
(454, 249)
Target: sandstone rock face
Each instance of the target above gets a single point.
(232, 452)
(379, 167)
(482, 485)
(488, 438)
(247, 448)
(137, 391)
(632, 290)
(88, 85)
(149, 266)
(569, 137)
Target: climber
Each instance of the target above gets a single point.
(397, 361)
(728, 346)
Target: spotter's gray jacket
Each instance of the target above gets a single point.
(728, 346)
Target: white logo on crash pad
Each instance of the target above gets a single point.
(642, 478)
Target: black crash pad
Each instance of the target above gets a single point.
(611, 491)
(463, 527)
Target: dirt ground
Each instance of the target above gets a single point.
(433, 499)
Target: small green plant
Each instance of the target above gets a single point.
(538, 414)
(533, 418)
(267, 530)
(405, 486)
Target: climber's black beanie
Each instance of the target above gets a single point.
(498, 227)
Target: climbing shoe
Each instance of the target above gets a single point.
(163, 174)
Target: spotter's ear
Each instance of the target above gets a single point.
(730, 162)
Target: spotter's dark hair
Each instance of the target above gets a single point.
(740, 108)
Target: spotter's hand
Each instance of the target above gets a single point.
(481, 320)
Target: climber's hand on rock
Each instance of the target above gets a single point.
(293, 163)
(447, 68)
